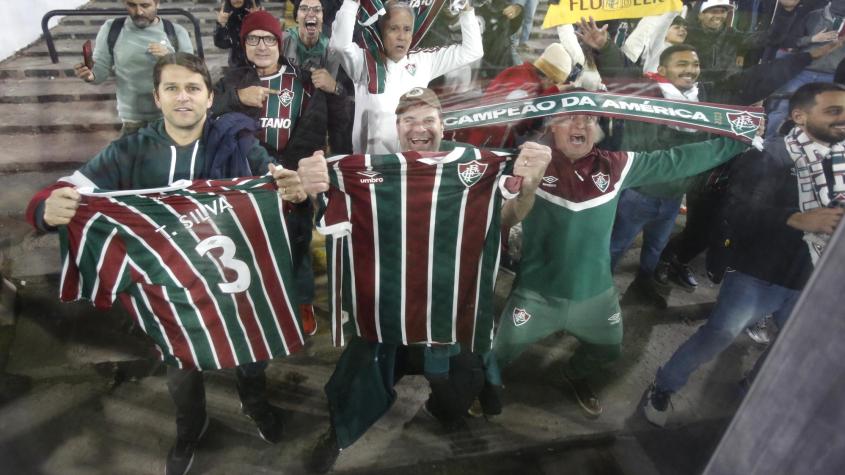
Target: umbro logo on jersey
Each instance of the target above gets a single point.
(471, 172)
(286, 97)
(615, 319)
(520, 316)
(549, 181)
(411, 68)
(372, 176)
(602, 181)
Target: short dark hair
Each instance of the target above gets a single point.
(188, 61)
(805, 96)
(668, 52)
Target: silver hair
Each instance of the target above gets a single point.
(392, 5)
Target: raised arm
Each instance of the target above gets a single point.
(341, 46)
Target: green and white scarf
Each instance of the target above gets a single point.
(813, 189)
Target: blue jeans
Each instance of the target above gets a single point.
(655, 217)
(779, 108)
(528, 10)
(742, 300)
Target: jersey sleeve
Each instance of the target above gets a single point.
(679, 162)
(93, 261)
(333, 217)
(341, 44)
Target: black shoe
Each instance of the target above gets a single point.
(682, 275)
(585, 395)
(269, 423)
(181, 455)
(491, 399)
(649, 291)
(324, 454)
(661, 272)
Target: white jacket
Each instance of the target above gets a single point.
(374, 127)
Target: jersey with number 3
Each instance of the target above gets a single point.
(204, 270)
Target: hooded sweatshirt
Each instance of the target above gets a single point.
(147, 159)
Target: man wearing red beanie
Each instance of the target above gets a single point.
(291, 119)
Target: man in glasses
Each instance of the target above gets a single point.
(291, 117)
(564, 280)
(306, 46)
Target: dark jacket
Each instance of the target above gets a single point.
(788, 27)
(718, 50)
(308, 136)
(762, 194)
(744, 87)
(817, 21)
(150, 159)
(229, 35)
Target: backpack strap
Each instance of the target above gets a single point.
(114, 32)
(170, 31)
(117, 26)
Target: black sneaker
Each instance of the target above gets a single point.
(649, 291)
(269, 423)
(491, 399)
(325, 453)
(181, 455)
(661, 272)
(657, 405)
(682, 275)
(585, 395)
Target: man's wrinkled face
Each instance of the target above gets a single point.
(676, 35)
(825, 120)
(575, 135)
(182, 97)
(142, 12)
(261, 55)
(713, 19)
(420, 129)
(682, 69)
(309, 17)
(397, 34)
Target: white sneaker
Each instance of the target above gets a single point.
(658, 404)
(759, 332)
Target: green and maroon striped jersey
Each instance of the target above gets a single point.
(281, 111)
(205, 270)
(416, 244)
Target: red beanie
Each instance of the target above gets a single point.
(261, 20)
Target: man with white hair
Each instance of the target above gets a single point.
(564, 280)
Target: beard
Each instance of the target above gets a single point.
(826, 133)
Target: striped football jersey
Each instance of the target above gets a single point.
(281, 111)
(203, 267)
(415, 244)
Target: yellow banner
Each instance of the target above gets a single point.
(571, 11)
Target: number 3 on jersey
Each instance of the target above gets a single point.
(243, 278)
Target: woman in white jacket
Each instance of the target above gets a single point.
(377, 94)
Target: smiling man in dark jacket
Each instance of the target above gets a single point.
(292, 118)
(784, 203)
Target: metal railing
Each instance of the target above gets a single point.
(115, 12)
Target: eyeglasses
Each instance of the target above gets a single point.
(315, 10)
(253, 40)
